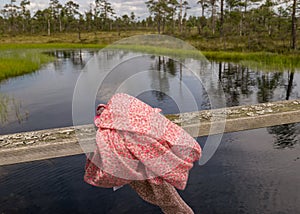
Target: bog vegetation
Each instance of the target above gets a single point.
(223, 29)
(241, 25)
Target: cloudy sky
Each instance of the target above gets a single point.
(121, 6)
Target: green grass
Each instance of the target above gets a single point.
(48, 46)
(23, 58)
(14, 63)
(65, 40)
(180, 53)
(261, 60)
(24, 54)
(256, 60)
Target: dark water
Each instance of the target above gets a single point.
(246, 175)
(44, 99)
(255, 171)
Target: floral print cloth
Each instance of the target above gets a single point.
(136, 142)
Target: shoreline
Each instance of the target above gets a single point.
(13, 61)
(14, 64)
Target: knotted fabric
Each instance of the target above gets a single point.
(136, 142)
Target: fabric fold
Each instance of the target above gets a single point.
(136, 142)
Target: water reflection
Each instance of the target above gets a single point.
(165, 64)
(266, 84)
(48, 93)
(243, 85)
(246, 171)
(290, 84)
(3, 108)
(10, 110)
(78, 58)
(237, 81)
(245, 176)
(286, 136)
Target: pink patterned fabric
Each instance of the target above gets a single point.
(136, 142)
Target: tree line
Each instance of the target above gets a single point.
(254, 20)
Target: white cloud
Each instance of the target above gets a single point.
(34, 6)
(121, 6)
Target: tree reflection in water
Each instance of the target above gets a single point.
(286, 136)
(266, 84)
(238, 80)
(163, 65)
(78, 57)
(290, 84)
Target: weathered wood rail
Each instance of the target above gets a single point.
(61, 142)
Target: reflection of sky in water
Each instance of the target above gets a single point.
(47, 94)
(159, 74)
(254, 171)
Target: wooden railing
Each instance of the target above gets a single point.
(61, 142)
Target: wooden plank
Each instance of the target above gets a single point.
(62, 142)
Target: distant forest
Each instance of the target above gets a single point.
(255, 21)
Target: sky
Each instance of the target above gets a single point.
(121, 6)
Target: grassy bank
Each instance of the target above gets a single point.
(19, 59)
(261, 60)
(48, 46)
(257, 60)
(24, 54)
(15, 63)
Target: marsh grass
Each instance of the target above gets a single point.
(256, 60)
(180, 53)
(24, 54)
(4, 100)
(11, 109)
(259, 60)
(66, 40)
(21, 58)
(14, 63)
(49, 46)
